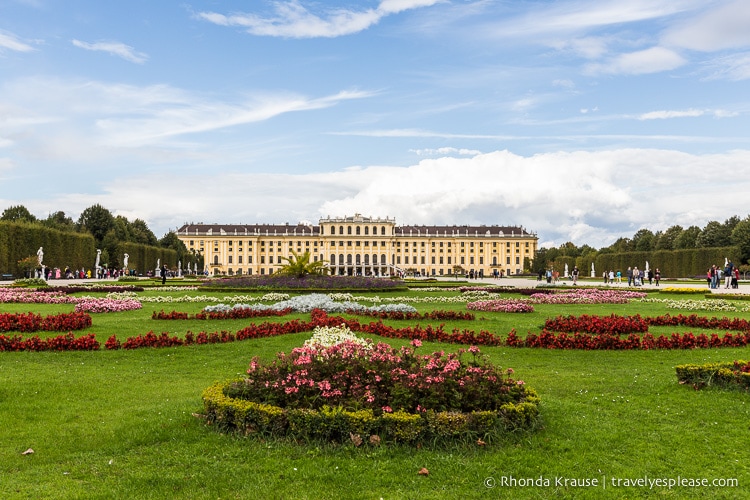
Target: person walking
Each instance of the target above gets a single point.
(630, 276)
(163, 274)
(657, 276)
(575, 275)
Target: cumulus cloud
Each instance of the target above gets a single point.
(114, 48)
(584, 197)
(291, 19)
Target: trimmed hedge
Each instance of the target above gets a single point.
(732, 374)
(340, 425)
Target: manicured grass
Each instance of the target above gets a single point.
(119, 424)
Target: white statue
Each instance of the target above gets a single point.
(179, 268)
(195, 267)
(125, 261)
(647, 268)
(158, 267)
(726, 261)
(566, 270)
(593, 273)
(98, 257)
(40, 255)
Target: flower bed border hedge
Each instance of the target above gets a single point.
(730, 374)
(336, 423)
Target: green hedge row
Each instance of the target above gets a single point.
(143, 258)
(727, 374)
(68, 249)
(340, 425)
(671, 263)
(61, 249)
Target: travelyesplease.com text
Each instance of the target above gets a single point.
(605, 482)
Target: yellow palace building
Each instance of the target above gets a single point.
(361, 245)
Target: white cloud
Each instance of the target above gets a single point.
(733, 67)
(446, 151)
(652, 60)
(661, 115)
(10, 41)
(114, 48)
(552, 20)
(87, 121)
(717, 28)
(294, 20)
(688, 113)
(585, 197)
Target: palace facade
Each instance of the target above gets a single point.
(362, 245)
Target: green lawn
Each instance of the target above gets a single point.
(119, 424)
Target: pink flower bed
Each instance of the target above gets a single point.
(501, 305)
(97, 305)
(587, 296)
(25, 296)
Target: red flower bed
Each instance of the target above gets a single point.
(435, 315)
(67, 342)
(614, 325)
(30, 322)
(695, 321)
(232, 314)
(584, 341)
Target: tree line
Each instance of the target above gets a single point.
(113, 235)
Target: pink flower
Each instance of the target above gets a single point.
(387, 409)
(416, 343)
(474, 350)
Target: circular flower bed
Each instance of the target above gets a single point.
(344, 390)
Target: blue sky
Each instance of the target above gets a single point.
(582, 121)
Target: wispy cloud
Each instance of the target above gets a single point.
(114, 48)
(292, 19)
(688, 113)
(716, 28)
(446, 151)
(652, 60)
(9, 41)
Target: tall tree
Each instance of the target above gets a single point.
(667, 238)
(741, 238)
(687, 238)
(643, 240)
(142, 234)
(96, 220)
(713, 235)
(59, 221)
(17, 213)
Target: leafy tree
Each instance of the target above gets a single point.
(59, 221)
(142, 234)
(687, 238)
(96, 220)
(643, 240)
(666, 240)
(741, 238)
(713, 235)
(587, 250)
(300, 266)
(170, 240)
(17, 213)
(568, 249)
